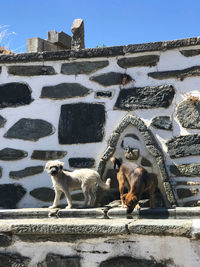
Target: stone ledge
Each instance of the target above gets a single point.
(100, 52)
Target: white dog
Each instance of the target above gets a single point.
(65, 181)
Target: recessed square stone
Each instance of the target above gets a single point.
(81, 123)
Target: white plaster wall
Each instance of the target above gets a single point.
(49, 110)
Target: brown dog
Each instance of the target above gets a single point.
(137, 180)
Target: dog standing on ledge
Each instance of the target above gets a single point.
(65, 181)
(137, 180)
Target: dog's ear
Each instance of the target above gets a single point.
(61, 165)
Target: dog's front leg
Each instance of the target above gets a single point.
(56, 199)
(69, 199)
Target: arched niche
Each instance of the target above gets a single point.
(133, 127)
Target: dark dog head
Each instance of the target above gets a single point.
(131, 201)
(53, 167)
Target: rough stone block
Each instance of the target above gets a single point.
(64, 90)
(162, 122)
(13, 260)
(5, 240)
(107, 94)
(187, 192)
(48, 154)
(29, 171)
(188, 113)
(141, 61)
(188, 170)
(145, 162)
(81, 162)
(53, 260)
(81, 123)
(146, 97)
(60, 38)
(190, 52)
(111, 78)
(11, 194)
(43, 193)
(182, 146)
(12, 154)
(78, 39)
(30, 129)
(85, 67)
(2, 121)
(14, 95)
(178, 74)
(31, 70)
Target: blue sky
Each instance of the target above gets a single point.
(109, 22)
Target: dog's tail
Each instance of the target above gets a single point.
(103, 185)
(116, 163)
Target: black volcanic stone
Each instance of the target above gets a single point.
(141, 61)
(190, 53)
(5, 239)
(14, 94)
(29, 171)
(111, 78)
(179, 74)
(53, 260)
(162, 122)
(30, 129)
(145, 162)
(2, 121)
(44, 194)
(183, 146)
(188, 170)
(81, 162)
(11, 194)
(48, 154)
(0, 70)
(127, 261)
(13, 260)
(186, 192)
(0, 172)
(145, 97)
(85, 67)
(64, 90)
(81, 123)
(103, 94)
(12, 154)
(33, 70)
(188, 113)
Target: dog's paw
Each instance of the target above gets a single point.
(52, 207)
(68, 207)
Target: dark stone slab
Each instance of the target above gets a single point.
(186, 192)
(145, 97)
(188, 113)
(64, 90)
(190, 53)
(53, 260)
(108, 94)
(111, 78)
(183, 146)
(12, 154)
(179, 74)
(2, 121)
(145, 162)
(85, 67)
(11, 194)
(13, 260)
(48, 154)
(33, 70)
(134, 136)
(0, 172)
(0, 70)
(141, 61)
(127, 261)
(99, 52)
(162, 122)
(78, 197)
(5, 239)
(14, 95)
(81, 162)
(30, 129)
(29, 171)
(81, 123)
(189, 170)
(43, 193)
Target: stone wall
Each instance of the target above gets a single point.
(85, 106)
